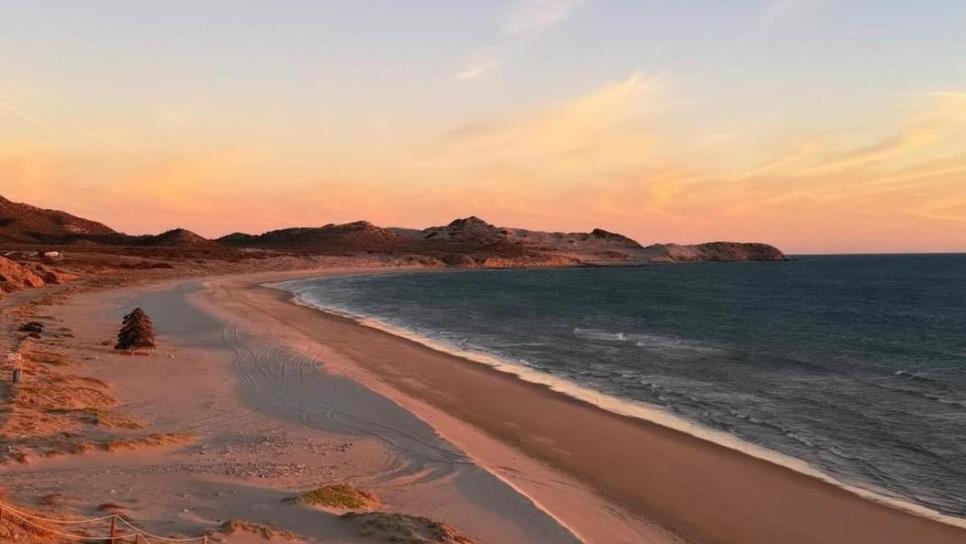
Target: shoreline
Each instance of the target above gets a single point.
(263, 419)
(832, 519)
(639, 410)
(574, 467)
(572, 504)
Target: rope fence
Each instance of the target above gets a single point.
(116, 534)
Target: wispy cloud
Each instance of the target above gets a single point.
(534, 17)
(596, 129)
(522, 20)
(480, 70)
(24, 115)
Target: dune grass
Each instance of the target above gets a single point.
(337, 496)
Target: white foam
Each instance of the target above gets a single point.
(625, 407)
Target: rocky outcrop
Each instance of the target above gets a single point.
(613, 237)
(50, 275)
(468, 231)
(735, 251)
(14, 277)
(713, 251)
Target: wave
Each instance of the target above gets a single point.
(626, 407)
(599, 335)
(918, 385)
(667, 345)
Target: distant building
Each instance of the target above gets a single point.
(52, 254)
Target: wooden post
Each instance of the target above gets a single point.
(16, 361)
(113, 528)
(204, 539)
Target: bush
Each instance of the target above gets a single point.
(340, 496)
(137, 331)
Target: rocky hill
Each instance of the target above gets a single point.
(171, 238)
(469, 241)
(15, 276)
(471, 230)
(712, 251)
(359, 236)
(474, 231)
(28, 224)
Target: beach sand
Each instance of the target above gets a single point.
(703, 491)
(269, 418)
(279, 398)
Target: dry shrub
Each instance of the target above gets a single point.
(337, 496)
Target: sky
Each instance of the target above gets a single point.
(820, 126)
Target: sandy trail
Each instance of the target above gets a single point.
(269, 422)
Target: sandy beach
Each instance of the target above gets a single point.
(267, 414)
(275, 399)
(704, 492)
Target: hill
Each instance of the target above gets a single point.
(712, 251)
(171, 238)
(468, 241)
(358, 236)
(24, 223)
(471, 241)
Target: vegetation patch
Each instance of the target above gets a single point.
(97, 417)
(266, 531)
(48, 358)
(405, 529)
(52, 499)
(337, 496)
(151, 440)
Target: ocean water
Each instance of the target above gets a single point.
(853, 364)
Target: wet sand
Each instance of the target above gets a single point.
(704, 491)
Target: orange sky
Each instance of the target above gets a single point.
(592, 161)
(517, 133)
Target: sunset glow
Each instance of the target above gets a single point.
(814, 125)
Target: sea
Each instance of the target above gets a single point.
(854, 365)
